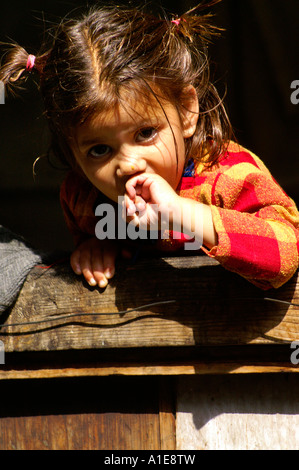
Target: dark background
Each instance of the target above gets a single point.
(254, 62)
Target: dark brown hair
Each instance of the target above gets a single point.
(93, 59)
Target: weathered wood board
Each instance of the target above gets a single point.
(95, 413)
(208, 306)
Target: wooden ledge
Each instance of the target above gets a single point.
(173, 302)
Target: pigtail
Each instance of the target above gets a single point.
(17, 65)
(13, 66)
(194, 26)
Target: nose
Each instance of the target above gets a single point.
(129, 164)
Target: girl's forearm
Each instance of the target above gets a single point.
(195, 219)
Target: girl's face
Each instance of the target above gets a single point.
(116, 145)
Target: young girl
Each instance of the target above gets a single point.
(132, 110)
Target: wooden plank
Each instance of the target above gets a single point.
(90, 431)
(119, 413)
(210, 306)
(193, 368)
(167, 389)
(174, 361)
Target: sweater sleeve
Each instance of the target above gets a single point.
(257, 224)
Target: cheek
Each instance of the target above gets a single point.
(172, 150)
(177, 162)
(100, 175)
(94, 171)
(173, 173)
(99, 178)
(103, 179)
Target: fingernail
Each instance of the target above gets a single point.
(109, 273)
(103, 283)
(92, 282)
(77, 269)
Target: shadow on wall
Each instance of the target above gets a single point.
(238, 412)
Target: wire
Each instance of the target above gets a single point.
(59, 317)
(281, 301)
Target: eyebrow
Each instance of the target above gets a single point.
(89, 142)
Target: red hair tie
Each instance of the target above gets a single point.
(177, 22)
(30, 62)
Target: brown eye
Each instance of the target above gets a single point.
(100, 151)
(146, 134)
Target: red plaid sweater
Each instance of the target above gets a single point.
(256, 222)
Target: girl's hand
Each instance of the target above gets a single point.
(148, 198)
(181, 214)
(95, 259)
